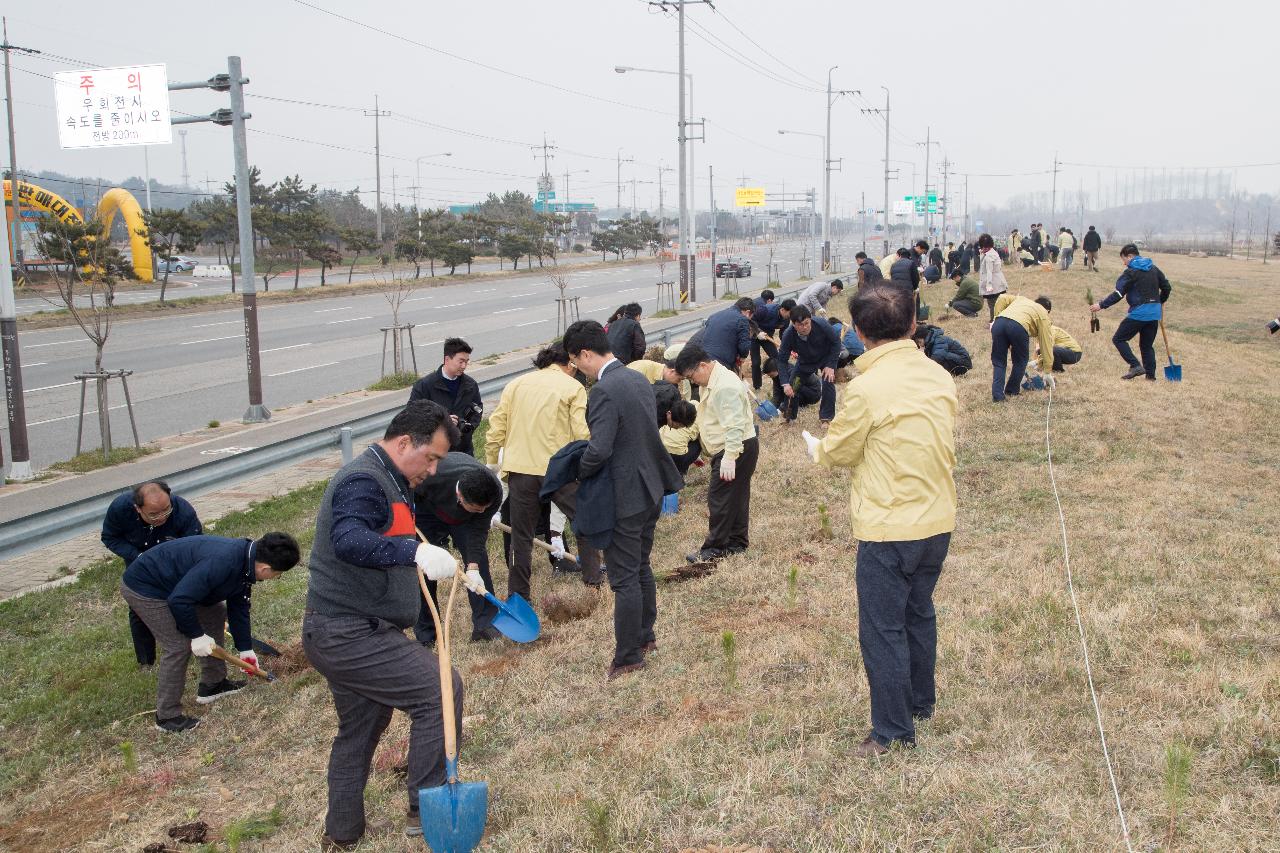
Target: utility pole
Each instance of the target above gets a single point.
(711, 182)
(944, 199)
(1053, 196)
(826, 172)
(662, 223)
(620, 162)
(377, 115)
(186, 176)
(862, 217)
(928, 143)
(16, 242)
(885, 113)
(967, 233)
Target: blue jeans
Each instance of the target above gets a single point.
(1008, 338)
(898, 631)
(1146, 332)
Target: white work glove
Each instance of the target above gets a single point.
(474, 583)
(494, 520)
(434, 562)
(495, 467)
(728, 469)
(1050, 382)
(202, 646)
(557, 547)
(811, 444)
(250, 658)
(762, 337)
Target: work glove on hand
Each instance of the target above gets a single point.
(434, 562)
(495, 467)
(811, 444)
(474, 583)
(250, 658)
(1049, 381)
(557, 547)
(494, 520)
(728, 469)
(762, 337)
(202, 646)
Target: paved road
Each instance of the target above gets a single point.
(191, 369)
(183, 286)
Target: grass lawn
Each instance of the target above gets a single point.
(738, 735)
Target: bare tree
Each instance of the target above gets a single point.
(566, 306)
(86, 270)
(396, 290)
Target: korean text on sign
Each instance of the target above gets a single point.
(109, 107)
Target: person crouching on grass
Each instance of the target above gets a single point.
(184, 590)
(897, 432)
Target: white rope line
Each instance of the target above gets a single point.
(1084, 645)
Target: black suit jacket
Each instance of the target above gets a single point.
(622, 416)
(467, 405)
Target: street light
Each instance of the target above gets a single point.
(417, 166)
(812, 227)
(686, 207)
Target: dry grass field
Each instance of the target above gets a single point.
(739, 734)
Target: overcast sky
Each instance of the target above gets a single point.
(1132, 84)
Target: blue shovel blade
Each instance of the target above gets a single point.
(453, 816)
(1173, 372)
(516, 619)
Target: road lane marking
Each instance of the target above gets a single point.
(69, 417)
(51, 343)
(300, 369)
(509, 310)
(451, 305)
(327, 310)
(349, 319)
(291, 346)
(210, 340)
(431, 343)
(47, 387)
(531, 323)
(224, 323)
(518, 295)
(35, 363)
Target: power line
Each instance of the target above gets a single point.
(764, 50)
(476, 62)
(711, 40)
(1150, 166)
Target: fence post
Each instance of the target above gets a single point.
(344, 439)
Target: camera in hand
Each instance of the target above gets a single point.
(1274, 326)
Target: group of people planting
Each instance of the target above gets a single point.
(605, 433)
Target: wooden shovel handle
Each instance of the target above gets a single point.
(536, 541)
(446, 668)
(1167, 352)
(222, 654)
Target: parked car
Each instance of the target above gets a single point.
(175, 264)
(733, 268)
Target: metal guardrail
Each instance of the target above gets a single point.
(83, 515)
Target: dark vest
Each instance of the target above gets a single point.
(338, 588)
(621, 337)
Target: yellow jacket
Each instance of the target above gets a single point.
(537, 414)
(652, 370)
(1032, 317)
(1061, 338)
(677, 439)
(1065, 240)
(725, 420)
(897, 432)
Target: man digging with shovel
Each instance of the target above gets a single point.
(363, 594)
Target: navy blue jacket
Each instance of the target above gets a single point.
(821, 349)
(727, 337)
(126, 535)
(360, 510)
(767, 317)
(199, 571)
(947, 352)
(593, 519)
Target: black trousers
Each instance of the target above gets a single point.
(898, 631)
(770, 349)
(144, 642)
(372, 669)
(526, 509)
(1145, 330)
(1009, 341)
(1063, 356)
(684, 460)
(991, 306)
(730, 503)
(482, 612)
(635, 596)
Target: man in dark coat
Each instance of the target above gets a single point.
(136, 521)
(1092, 244)
(905, 270)
(727, 335)
(185, 589)
(458, 502)
(626, 338)
(622, 417)
(451, 387)
(868, 270)
(767, 319)
(817, 349)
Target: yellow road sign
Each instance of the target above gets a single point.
(748, 197)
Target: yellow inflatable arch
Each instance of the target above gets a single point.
(115, 200)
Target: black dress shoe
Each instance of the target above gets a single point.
(483, 635)
(618, 671)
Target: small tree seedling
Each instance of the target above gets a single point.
(729, 646)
